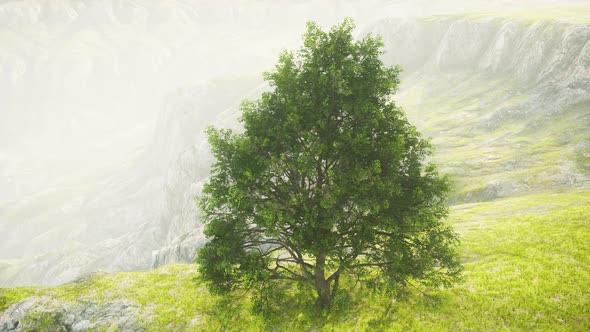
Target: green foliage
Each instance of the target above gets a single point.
(327, 179)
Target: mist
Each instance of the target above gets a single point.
(103, 106)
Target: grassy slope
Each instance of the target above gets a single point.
(494, 138)
(478, 144)
(527, 266)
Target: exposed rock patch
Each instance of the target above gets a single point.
(45, 314)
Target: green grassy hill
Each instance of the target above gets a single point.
(527, 267)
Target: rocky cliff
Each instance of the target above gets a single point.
(505, 98)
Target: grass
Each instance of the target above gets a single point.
(477, 144)
(527, 267)
(9, 296)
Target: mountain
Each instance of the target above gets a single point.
(504, 97)
(103, 105)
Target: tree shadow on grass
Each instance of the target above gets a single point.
(295, 309)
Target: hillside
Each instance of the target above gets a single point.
(505, 97)
(506, 100)
(527, 266)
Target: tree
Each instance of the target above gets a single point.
(328, 178)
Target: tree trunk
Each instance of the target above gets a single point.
(322, 285)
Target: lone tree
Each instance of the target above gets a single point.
(327, 179)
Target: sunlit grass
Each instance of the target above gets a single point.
(483, 133)
(527, 267)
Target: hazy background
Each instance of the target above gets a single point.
(100, 100)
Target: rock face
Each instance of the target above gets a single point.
(45, 314)
(181, 249)
(550, 58)
(506, 99)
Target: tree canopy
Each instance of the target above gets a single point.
(328, 178)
